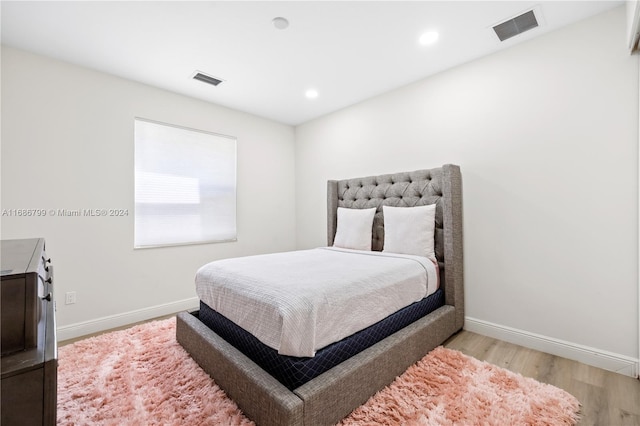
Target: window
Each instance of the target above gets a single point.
(185, 185)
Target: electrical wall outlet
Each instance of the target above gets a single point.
(70, 298)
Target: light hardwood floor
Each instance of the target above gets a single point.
(606, 398)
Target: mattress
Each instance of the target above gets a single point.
(293, 372)
(298, 302)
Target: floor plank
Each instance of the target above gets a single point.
(606, 398)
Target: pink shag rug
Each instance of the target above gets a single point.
(142, 376)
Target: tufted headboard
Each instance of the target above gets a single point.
(441, 186)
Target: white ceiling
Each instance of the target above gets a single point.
(347, 50)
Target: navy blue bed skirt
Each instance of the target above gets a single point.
(295, 371)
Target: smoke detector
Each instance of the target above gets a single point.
(280, 23)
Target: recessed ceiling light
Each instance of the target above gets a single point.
(429, 37)
(280, 23)
(311, 93)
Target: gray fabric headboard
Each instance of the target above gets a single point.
(442, 186)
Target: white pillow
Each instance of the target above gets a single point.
(410, 230)
(354, 228)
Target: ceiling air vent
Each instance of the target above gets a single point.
(521, 23)
(200, 76)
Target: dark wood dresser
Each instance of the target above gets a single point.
(28, 329)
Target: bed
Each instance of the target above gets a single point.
(331, 394)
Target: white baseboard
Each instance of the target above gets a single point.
(113, 321)
(596, 357)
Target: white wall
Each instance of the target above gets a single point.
(546, 134)
(67, 143)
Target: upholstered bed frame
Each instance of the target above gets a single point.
(331, 396)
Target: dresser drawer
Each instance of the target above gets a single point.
(23, 282)
(28, 388)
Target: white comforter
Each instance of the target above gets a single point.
(299, 302)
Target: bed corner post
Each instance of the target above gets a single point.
(332, 209)
(453, 239)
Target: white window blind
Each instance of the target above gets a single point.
(185, 185)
